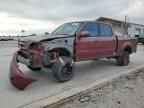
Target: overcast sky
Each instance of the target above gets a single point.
(45, 15)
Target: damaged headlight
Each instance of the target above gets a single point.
(36, 46)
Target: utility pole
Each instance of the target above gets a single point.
(126, 25)
(125, 19)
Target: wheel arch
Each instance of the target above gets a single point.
(62, 51)
(128, 49)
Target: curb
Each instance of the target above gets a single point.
(68, 95)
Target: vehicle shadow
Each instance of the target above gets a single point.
(82, 69)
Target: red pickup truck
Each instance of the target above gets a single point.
(71, 42)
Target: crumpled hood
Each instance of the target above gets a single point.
(42, 38)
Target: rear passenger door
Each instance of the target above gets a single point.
(106, 43)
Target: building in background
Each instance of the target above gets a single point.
(136, 29)
(124, 28)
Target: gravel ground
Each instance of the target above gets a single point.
(126, 92)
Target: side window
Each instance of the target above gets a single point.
(92, 28)
(105, 30)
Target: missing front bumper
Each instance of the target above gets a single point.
(17, 78)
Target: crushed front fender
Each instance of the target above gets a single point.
(17, 78)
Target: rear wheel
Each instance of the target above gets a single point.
(63, 73)
(124, 59)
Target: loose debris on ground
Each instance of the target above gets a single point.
(126, 92)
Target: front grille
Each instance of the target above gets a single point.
(24, 54)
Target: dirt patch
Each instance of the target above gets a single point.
(126, 92)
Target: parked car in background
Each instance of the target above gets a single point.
(6, 38)
(141, 39)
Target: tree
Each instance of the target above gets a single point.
(46, 33)
(33, 34)
(22, 31)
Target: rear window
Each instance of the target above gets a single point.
(105, 30)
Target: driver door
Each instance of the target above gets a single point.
(86, 46)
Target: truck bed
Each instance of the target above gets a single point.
(130, 42)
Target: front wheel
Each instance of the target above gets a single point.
(63, 73)
(124, 59)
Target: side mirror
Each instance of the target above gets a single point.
(84, 34)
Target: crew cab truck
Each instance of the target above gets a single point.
(71, 42)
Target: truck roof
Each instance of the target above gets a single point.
(88, 21)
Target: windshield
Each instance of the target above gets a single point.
(67, 29)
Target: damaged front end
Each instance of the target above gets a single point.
(28, 54)
(34, 58)
(38, 55)
(17, 78)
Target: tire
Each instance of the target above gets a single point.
(143, 43)
(124, 59)
(63, 73)
(34, 69)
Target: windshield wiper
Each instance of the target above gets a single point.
(63, 34)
